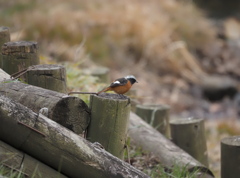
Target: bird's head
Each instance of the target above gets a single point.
(131, 78)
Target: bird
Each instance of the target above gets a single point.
(120, 85)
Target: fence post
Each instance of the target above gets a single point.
(230, 159)
(189, 134)
(48, 76)
(155, 115)
(4, 37)
(17, 56)
(108, 125)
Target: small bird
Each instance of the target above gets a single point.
(121, 85)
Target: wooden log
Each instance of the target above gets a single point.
(189, 134)
(142, 134)
(49, 76)
(4, 37)
(156, 115)
(58, 147)
(17, 56)
(109, 118)
(4, 76)
(69, 111)
(230, 159)
(25, 164)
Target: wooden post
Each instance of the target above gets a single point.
(230, 157)
(49, 76)
(4, 37)
(69, 111)
(189, 134)
(19, 55)
(18, 161)
(143, 135)
(156, 115)
(57, 146)
(108, 125)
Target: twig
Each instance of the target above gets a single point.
(32, 128)
(78, 92)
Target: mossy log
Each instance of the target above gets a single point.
(109, 119)
(230, 159)
(4, 37)
(189, 134)
(155, 115)
(17, 56)
(49, 76)
(168, 153)
(19, 162)
(58, 147)
(69, 111)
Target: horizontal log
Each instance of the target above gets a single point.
(20, 162)
(69, 111)
(58, 147)
(168, 153)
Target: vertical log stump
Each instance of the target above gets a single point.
(189, 134)
(17, 56)
(156, 115)
(4, 37)
(49, 76)
(230, 157)
(109, 118)
(27, 165)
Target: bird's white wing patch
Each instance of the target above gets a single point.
(116, 82)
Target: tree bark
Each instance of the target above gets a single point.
(48, 76)
(189, 134)
(109, 119)
(18, 161)
(69, 111)
(17, 56)
(4, 37)
(169, 154)
(58, 147)
(230, 160)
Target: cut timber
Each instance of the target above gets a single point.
(69, 111)
(189, 134)
(109, 119)
(58, 147)
(155, 115)
(17, 56)
(169, 154)
(4, 37)
(18, 161)
(230, 159)
(4, 76)
(49, 76)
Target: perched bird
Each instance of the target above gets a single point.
(121, 85)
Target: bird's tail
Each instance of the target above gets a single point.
(104, 90)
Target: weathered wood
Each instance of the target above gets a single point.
(4, 76)
(156, 115)
(4, 37)
(109, 118)
(49, 76)
(17, 56)
(168, 153)
(230, 159)
(19, 161)
(59, 148)
(189, 134)
(69, 111)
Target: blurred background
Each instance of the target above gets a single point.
(183, 53)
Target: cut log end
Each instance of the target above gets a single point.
(112, 96)
(74, 114)
(19, 47)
